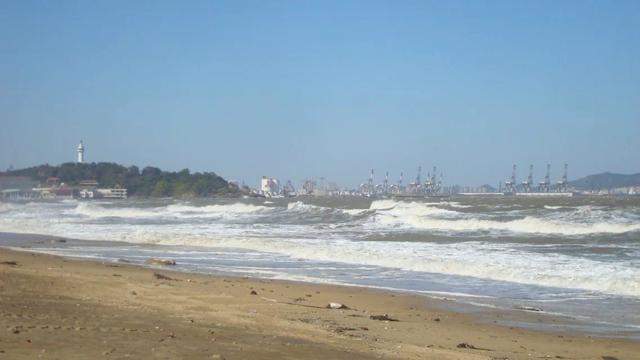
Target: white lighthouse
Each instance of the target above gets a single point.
(80, 152)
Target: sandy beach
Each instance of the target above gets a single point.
(59, 308)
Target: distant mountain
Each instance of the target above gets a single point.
(606, 180)
(487, 188)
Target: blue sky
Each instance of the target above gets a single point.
(327, 88)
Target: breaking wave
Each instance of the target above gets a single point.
(235, 208)
(429, 216)
(96, 210)
(472, 259)
(301, 207)
(321, 233)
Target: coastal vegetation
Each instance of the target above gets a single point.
(148, 182)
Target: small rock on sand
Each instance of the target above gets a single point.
(163, 262)
(253, 292)
(333, 305)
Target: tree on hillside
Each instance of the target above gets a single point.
(151, 181)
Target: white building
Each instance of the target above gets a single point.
(80, 152)
(269, 186)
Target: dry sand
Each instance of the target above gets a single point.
(57, 308)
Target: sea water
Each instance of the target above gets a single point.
(576, 257)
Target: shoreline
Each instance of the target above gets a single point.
(94, 301)
(520, 315)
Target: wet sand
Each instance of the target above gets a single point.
(59, 308)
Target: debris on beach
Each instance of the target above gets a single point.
(333, 305)
(383, 317)
(253, 292)
(161, 277)
(469, 346)
(342, 329)
(10, 263)
(163, 262)
(528, 308)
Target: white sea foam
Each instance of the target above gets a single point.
(454, 204)
(234, 209)
(529, 225)
(300, 207)
(355, 212)
(4, 207)
(97, 211)
(402, 209)
(323, 240)
(425, 216)
(474, 259)
(93, 210)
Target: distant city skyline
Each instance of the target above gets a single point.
(405, 177)
(299, 90)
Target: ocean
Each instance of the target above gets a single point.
(577, 258)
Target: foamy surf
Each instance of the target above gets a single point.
(371, 236)
(572, 256)
(387, 215)
(97, 210)
(486, 261)
(433, 216)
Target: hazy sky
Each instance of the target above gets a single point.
(299, 89)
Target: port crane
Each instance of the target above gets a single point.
(510, 184)
(526, 184)
(563, 183)
(545, 185)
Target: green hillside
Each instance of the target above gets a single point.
(151, 181)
